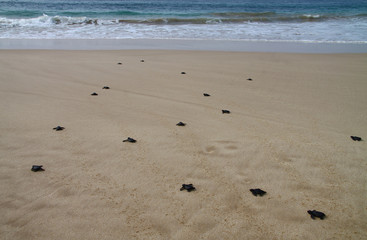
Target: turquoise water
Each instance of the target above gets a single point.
(282, 20)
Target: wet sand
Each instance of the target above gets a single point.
(184, 44)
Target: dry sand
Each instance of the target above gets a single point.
(288, 133)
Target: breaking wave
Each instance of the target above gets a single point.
(220, 25)
(71, 18)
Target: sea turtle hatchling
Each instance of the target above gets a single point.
(181, 124)
(58, 128)
(37, 168)
(355, 138)
(206, 94)
(258, 191)
(226, 111)
(94, 94)
(188, 187)
(316, 214)
(106, 87)
(129, 139)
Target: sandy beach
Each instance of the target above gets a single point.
(288, 133)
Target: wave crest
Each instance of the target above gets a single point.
(133, 18)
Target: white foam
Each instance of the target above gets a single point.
(311, 15)
(57, 27)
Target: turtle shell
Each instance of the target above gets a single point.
(188, 187)
(355, 138)
(129, 139)
(257, 191)
(181, 124)
(316, 214)
(58, 128)
(37, 168)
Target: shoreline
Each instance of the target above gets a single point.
(181, 44)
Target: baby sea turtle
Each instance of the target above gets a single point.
(316, 214)
(249, 79)
(142, 60)
(129, 139)
(181, 124)
(183, 73)
(188, 187)
(58, 128)
(106, 87)
(37, 168)
(206, 95)
(258, 191)
(355, 138)
(226, 111)
(119, 63)
(94, 94)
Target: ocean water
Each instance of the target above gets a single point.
(267, 20)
